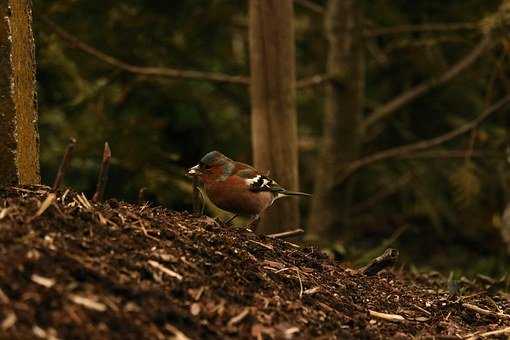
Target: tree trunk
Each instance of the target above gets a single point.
(342, 117)
(274, 122)
(19, 141)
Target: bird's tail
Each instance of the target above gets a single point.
(294, 193)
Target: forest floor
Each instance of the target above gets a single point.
(70, 269)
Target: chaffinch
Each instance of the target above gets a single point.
(237, 187)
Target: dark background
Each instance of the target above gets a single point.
(440, 211)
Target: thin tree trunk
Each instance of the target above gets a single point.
(342, 118)
(273, 93)
(19, 142)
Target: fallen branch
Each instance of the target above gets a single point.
(287, 234)
(103, 174)
(387, 317)
(68, 154)
(485, 311)
(388, 258)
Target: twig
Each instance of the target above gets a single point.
(431, 27)
(68, 154)
(300, 283)
(287, 234)
(406, 150)
(74, 42)
(141, 195)
(87, 303)
(165, 270)
(387, 317)
(44, 205)
(103, 174)
(239, 317)
(388, 258)
(502, 331)
(485, 311)
(404, 98)
(267, 246)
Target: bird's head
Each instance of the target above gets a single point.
(214, 165)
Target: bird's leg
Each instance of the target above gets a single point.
(230, 219)
(253, 223)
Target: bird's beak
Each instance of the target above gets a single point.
(194, 171)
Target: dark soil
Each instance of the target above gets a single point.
(123, 271)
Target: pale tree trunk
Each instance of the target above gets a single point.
(343, 111)
(19, 142)
(272, 90)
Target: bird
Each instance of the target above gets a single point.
(238, 187)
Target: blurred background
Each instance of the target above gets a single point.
(413, 72)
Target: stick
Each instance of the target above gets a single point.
(68, 154)
(103, 174)
(485, 311)
(491, 333)
(388, 317)
(388, 258)
(287, 234)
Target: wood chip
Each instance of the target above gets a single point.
(239, 317)
(9, 321)
(312, 290)
(178, 335)
(387, 317)
(45, 205)
(87, 303)
(165, 270)
(4, 212)
(290, 332)
(43, 281)
(195, 309)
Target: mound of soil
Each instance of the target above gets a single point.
(70, 269)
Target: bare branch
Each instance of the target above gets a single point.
(404, 98)
(431, 27)
(74, 42)
(405, 150)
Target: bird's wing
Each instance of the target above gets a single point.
(258, 182)
(255, 180)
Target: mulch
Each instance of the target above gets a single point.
(72, 269)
